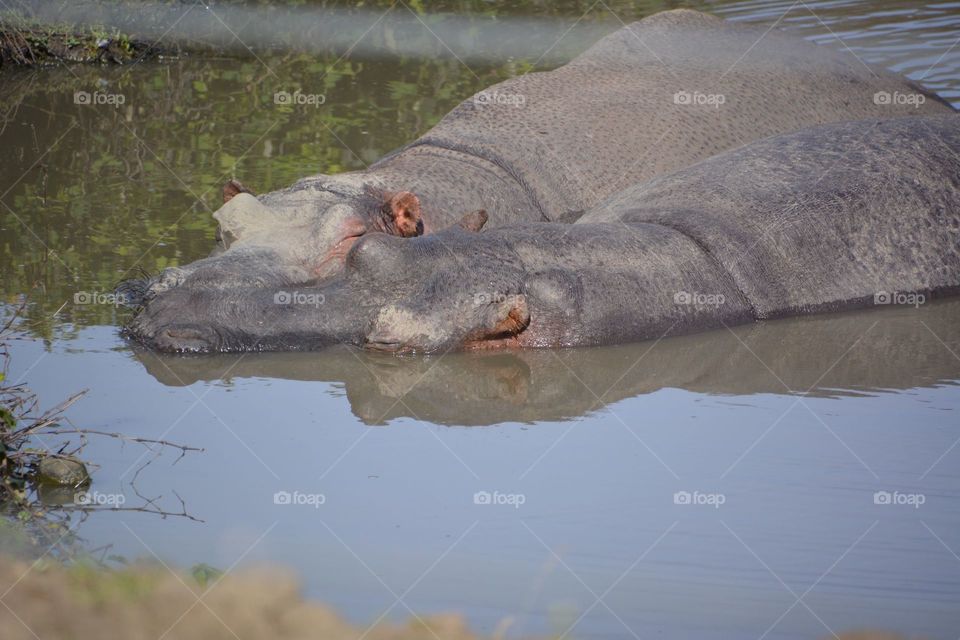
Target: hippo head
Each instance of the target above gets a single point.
(317, 223)
(298, 236)
(452, 309)
(452, 289)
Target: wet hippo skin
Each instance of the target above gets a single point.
(828, 218)
(642, 102)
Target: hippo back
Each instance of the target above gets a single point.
(821, 219)
(657, 96)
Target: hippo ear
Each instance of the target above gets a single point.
(233, 188)
(474, 220)
(245, 217)
(401, 214)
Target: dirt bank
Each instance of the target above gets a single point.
(148, 601)
(46, 600)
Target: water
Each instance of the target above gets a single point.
(784, 432)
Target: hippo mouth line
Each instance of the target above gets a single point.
(184, 340)
(386, 346)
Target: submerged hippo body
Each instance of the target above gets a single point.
(651, 98)
(827, 218)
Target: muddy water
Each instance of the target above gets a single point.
(730, 484)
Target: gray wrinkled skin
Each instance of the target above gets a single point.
(821, 219)
(548, 146)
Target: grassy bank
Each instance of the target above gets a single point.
(23, 43)
(54, 602)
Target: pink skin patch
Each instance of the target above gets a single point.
(355, 228)
(352, 230)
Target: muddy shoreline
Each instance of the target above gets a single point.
(30, 46)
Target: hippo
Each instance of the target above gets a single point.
(647, 100)
(828, 218)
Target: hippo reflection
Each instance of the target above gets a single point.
(847, 353)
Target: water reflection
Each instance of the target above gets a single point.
(829, 355)
(916, 39)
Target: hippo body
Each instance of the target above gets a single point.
(827, 218)
(650, 98)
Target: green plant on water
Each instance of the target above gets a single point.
(99, 33)
(126, 45)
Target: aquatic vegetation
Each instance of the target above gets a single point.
(22, 424)
(43, 480)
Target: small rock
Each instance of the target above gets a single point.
(62, 471)
(56, 495)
